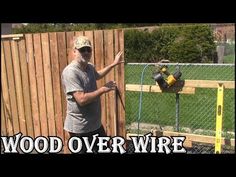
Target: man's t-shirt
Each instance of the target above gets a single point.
(81, 119)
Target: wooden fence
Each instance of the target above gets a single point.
(32, 99)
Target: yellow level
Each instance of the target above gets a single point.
(219, 113)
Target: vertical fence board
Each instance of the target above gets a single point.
(5, 95)
(120, 79)
(79, 33)
(48, 84)
(3, 119)
(121, 118)
(62, 57)
(12, 88)
(19, 94)
(25, 88)
(69, 46)
(89, 34)
(99, 64)
(33, 85)
(109, 58)
(40, 84)
(117, 74)
(61, 41)
(56, 85)
(62, 51)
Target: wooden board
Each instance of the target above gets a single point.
(109, 58)
(40, 83)
(11, 87)
(56, 85)
(121, 87)
(156, 88)
(48, 84)
(19, 94)
(33, 85)
(3, 118)
(26, 88)
(12, 36)
(190, 137)
(99, 64)
(69, 46)
(208, 84)
(62, 57)
(5, 95)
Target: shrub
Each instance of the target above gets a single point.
(185, 43)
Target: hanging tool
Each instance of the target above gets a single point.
(171, 79)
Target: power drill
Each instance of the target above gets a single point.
(169, 81)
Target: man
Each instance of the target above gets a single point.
(83, 117)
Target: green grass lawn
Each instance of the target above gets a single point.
(197, 111)
(229, 59)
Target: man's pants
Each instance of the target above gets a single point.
(101, 132)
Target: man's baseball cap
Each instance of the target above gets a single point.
(82, 41)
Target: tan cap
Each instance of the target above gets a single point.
(81, 41)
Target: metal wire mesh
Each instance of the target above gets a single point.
(197, 112)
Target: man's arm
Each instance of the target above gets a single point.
(108, 68)
(85, 98)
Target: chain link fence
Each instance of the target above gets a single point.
(196, 112)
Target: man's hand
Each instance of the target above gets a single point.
(85, 98)
(108, 68)
(118, 58)
(109, 86)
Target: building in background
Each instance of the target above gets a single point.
(224, 32)
(6, 28)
